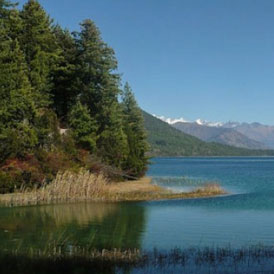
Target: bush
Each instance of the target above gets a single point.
(16, 142)
(6, 183)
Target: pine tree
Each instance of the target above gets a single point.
(10, 18)
(40, 48)
(99, 87)
(15, 24)
(65, 89)
(137, 160)
(5, 6)
(17, 108)
(16, 100)
(112, 142)
(83, 127)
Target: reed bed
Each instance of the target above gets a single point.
(67, 187)
(85, 186)
(210, 189)
(253, 259)
(155, 192)
(72, 251)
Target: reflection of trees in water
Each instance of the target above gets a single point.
(80, 214)
(54, 215)
(94, 225)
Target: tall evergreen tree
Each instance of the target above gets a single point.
(15, 24)
(83, 127)
(137, 160)
(10, 18)
(65, 86)
(5, 6)
(40, 48)
(99, 87)
(17, 108)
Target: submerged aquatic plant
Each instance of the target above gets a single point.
(64, 256)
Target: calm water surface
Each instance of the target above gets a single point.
(244, 217)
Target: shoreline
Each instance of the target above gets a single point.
(128, 191)
(235, 156)
(143, 190)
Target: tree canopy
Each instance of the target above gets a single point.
(54, 81)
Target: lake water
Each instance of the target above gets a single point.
(244, 217)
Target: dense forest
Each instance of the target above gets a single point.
(166, 140)
(62, 105)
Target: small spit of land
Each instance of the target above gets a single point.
(85, 186)
(143, 190)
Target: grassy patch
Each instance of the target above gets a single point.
(85, 186)
(66, 187)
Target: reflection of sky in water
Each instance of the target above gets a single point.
(244, 217)
(237, 175)
(172, 224)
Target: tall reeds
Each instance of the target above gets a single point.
(85, 186)
(250, 259)
(66, 187)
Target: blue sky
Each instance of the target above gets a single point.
(210, 59)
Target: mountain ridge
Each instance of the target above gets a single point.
(246, 135)
(166, 140)
(226, 136)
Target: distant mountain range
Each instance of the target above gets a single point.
(244, 135)
(256, 131)
(166, 140)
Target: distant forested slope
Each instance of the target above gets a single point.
(165, 140)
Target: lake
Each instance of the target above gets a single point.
(244, 217)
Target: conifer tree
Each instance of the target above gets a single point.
(83, 127)
(15, 24)
(99, 87)
(17, 108)
(10, 18)
(137, 160)
(65, 89)
(40, 48)
(5, 6)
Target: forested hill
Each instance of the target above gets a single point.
(60, 102)
(165, 140)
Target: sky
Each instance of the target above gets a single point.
(210, 59)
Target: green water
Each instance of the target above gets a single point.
(97, 225)
(245, 217)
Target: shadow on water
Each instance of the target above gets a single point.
(98, 225)
(72, 230)
(30, 238)
(253, 259)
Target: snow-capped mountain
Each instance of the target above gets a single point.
(200, 122)
(171, 120)
(247, 135)
(209, 124)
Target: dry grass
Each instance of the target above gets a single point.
(85, 186)
(210, 189)
(67, 187)
(143, 190)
